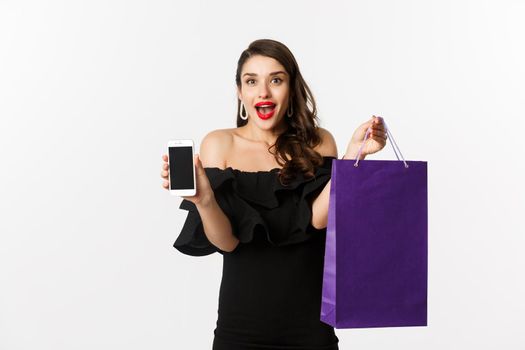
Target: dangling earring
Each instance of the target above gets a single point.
(245, 116)
(289, 113)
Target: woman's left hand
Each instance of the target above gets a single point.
(375, 142)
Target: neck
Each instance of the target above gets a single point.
(253, 133)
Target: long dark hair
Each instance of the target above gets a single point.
(302, 134)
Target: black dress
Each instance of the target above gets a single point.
(270, 293)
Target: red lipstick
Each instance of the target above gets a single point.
(267, 104)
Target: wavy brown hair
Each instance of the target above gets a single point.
(302, 134)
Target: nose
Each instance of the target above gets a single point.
(264, 91)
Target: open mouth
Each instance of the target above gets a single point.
(266, 110)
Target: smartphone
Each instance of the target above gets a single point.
(182, 168)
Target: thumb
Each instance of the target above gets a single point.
(370, 122)
(198, 164)
(367, 124)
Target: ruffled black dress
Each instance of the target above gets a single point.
(270, 293)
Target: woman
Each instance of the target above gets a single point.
(262, 202)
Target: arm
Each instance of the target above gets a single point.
(320, 203)
(375, 142)
(216, 224)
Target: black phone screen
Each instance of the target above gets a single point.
(181, 168)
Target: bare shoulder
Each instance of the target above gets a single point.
(214, 148)
(328, 146)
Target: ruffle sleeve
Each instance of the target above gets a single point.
(303, 191)
(192, 240)
(256, 203)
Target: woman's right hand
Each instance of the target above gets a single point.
(204, 193)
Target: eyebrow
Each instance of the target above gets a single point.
(272, 73)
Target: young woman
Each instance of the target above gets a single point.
(262, 202)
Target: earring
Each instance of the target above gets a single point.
(289, 113)
(245, 116)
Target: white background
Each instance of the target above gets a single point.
(91, 91)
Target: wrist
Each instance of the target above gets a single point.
(352, 154)
(206, 202)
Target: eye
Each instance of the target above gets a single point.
(249, 81)
(279, 79)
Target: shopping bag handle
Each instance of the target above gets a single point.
(392, 142)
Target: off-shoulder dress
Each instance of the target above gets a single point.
(270, 292)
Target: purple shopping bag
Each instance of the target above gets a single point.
(375, 267)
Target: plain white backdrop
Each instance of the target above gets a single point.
(91, 91)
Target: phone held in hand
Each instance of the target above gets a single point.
(181, 168)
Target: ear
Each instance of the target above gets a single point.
(239, 93)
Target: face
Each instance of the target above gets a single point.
(264, 79)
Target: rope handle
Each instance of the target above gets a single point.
(392, 142)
